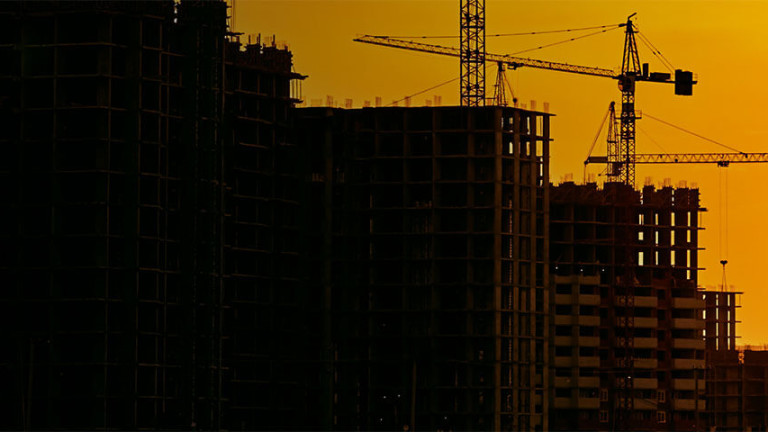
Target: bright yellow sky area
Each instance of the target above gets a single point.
(724, 42)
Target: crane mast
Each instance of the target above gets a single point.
(630, 70)
(612, 158)
(472, 30)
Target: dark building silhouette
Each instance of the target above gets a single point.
(150, 208)
(737, 390)
(736, 377)
(180, 248)
(625, 267)
(431, 244)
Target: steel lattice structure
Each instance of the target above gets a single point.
(472, 30)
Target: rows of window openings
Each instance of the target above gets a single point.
(672, 257)
(641, 236)
(661, 416)
(602, 394)
(641, 219)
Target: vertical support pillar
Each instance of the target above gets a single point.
(498, 280)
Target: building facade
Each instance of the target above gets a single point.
(149, 217)
(435, 232)
(628, 317)
(737, 377)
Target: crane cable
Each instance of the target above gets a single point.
(656, 52)
(511, 92)
(563, 41)
(394, 103)
(645, 113)
(594, 142)
(723, 195)
(604, 30)
(597, 135)
(556, 31)
(510, 34)
(650, 138)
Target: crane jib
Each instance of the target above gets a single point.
(683, 79)
(513, 62)
(717, 158)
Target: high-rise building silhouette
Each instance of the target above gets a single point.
(149, 216)
(628, 317)
(432, 254)
(182, 248)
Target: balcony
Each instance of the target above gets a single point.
(588, 403)
(640, 301)
(645, 404)
(589, 341)
(687, 364)
(688, 343)
(640, 322)
(589, 382)
(688, 323)
(646, 342)
(589, 299)
(577, 403)
(688, 303)
(688, 404)
(563, 340)
(563, 299)
(564, 319)
(645, 383)
(564, 361)
(564, 382)
(687, 384)
(589, 321)
(589, 361)
(642, 363)
(643, 301)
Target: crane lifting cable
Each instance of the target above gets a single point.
(723, 232)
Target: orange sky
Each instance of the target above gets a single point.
(725, 43)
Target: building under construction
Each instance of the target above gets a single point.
(181, 249)
(150, 214)
(628, 325)
(433, 271)
(737, 377)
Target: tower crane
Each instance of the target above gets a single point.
(720, 159)
(622, 156)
